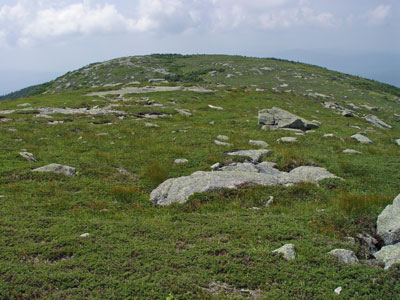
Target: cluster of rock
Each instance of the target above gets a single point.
(342, 110)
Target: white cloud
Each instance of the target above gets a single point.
(379, 15)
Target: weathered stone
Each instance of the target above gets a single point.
(330, 135)
(389, 255)
(375, 121)
(215, 107)
(28, 156)
(150, 125)
(288, 251)
(353, 106)
(397, 142)
(368, 107)
(343, 111)
(255, 155)
(287, 139)
(344, 256)
(58, 169)
(388, 223)
(178, 190)
(184, 112)
(181, 161)
(215, 166)
(223, 138)
(276, 118)
(361, 138)
(222, 143)
(260, 144)
(351, 151)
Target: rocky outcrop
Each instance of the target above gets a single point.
(388, 223)
(178, 190)
(58, 169)
(389, 255)
(344, 256)
(276, 118)
(375, 121)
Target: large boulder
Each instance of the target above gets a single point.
(58, 169)
(178, 190)
(276, 118)
(389, 255)
(388, 223)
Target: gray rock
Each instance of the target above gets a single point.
(344, 256)
(241, 167)
(28, 156)
(397, 142)
(222, 143)
(260, 144)
(389, 255)
(388, 223)
(178, 190)
(181, 161)
(288, 251)
(184, 112)
(268, 168)
(58, 169)
(150, 125)
(223, 138)
(328, 135)
(368, 107)
(215, 166)
(369, 241)
(255, 155)
(375, 121)
(361, 138)
(343, 111)
(215, 107)
(287, 139)
(351, 151)
(276, 118)
(353, 106)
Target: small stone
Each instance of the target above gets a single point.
(350, 240)
(287, 139)
(260, 144)
(151, 125)
(338, 290)
(222, 143)
(28, 156)
(181, 161)
(102, 134)
(58, 169)
(24, 105)
(184, 112)
(212, 123)
(85, 235)
(344, 256)
(328, 135)
(215, 107)
(288, 251)
(223, 138)
(351, 151)
(270, 201)
(1, 196)
(397, 142)
(362, 139)
(11, 129)
(215, 166)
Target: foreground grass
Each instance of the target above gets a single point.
(137, 251)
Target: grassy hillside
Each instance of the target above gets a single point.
(218, 244)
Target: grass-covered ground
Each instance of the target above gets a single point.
(138, 251)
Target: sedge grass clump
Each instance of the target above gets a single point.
(358, 205)
(155, 173)
(125, 193)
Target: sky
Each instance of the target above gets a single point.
(41, 39)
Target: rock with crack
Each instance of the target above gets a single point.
(58, 169)
(28, 156)
(375, 121)
(276, 118)
(178, 190)
(260, 144)
(389, 255)
(344, 256)
(362, 139)
(254, 155)
(288, 251)
(388, 223)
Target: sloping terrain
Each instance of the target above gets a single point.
(129, 126)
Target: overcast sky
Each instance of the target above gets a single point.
(62, 35)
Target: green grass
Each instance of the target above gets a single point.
(138, 251)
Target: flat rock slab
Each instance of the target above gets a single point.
(215, 107)
(178, 190)
(362, 139)
(181, 161)
(389, 255)
(344, 256)
(58, 169)
(388, 223)
(375, 121)
(288, 251)
(276, 118)
(254, 155)
(216, 142)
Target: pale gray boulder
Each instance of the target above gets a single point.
(397, 142)
(389, 255)
(58, 169)
(344, 256)
(375, 121)
(184, 112)
(260, 144)
(276, 118)
(178, 190)
(28, 156)
(254, 155)
(388, 223)
(288, 251)
(362, 139)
